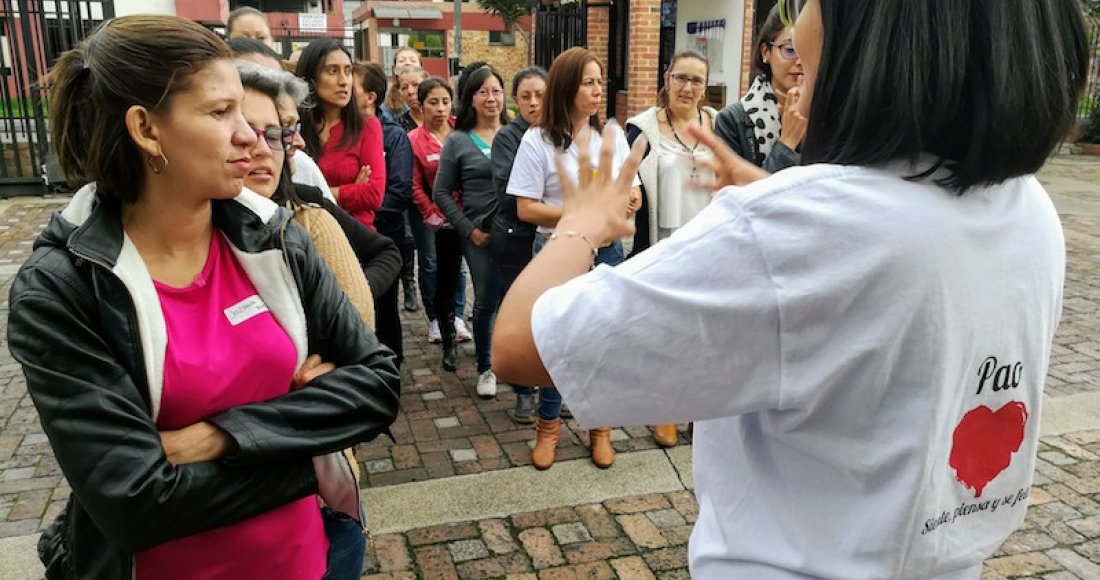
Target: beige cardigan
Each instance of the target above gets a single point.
(336, 252)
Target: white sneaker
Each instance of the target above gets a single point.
(434, 336)
(487, 385)
(461, 334)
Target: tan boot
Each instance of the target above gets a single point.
(546, 443)
(665, 435)
(603, 455)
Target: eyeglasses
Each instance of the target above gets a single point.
(278, 138)
(682, 79)
(496, 93)
(788, 11)
(292, 131)
(786, 50)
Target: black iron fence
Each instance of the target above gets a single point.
(558, 28)
(32, 35)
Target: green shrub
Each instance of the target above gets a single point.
(1091, 132)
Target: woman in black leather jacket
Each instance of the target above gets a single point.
(94, 320)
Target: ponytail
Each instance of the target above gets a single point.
(68, 83)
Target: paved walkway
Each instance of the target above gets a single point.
(455, 496)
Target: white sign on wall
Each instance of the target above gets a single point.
(315, 22)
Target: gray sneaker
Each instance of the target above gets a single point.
(526, 409)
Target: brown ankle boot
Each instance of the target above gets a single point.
(603, 455)
(546, 443)
(665, 435)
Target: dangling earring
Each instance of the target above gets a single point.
(766, 61)
(152, 166)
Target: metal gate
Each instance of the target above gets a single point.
(33, 33)
(559, 28)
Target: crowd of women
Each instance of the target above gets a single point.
(461, 184)
(213, 322)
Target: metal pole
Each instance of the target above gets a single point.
(457, 57)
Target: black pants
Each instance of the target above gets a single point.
(448, 262)
(387, 314)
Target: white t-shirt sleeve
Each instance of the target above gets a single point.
(529, 171)
(667, 336)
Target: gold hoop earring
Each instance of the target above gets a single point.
(152, 167)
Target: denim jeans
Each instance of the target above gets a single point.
(425, 249)
(449, 252)
(549, 397)
(347, 546)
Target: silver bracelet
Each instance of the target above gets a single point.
(574, 234)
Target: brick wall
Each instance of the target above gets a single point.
(642, 63)
(747, 51)
(506, 59)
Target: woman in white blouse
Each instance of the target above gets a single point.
(861, 341)
(676, 164)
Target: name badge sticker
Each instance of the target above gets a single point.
(433, 157)
(245, 310)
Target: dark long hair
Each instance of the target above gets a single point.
(562, 85)
(468, 87)
(770, 30)
(988, 88)
(309, 66)
(133, 60)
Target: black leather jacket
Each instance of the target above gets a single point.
(76, 325)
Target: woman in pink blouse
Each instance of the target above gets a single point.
(347, 147)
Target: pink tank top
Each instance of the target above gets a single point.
(226, 349)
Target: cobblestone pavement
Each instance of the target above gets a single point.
(445, 430)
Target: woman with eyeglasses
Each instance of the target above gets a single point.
(378, 257)
(194, 363)
(676, 170)
(465, 167)
(861, 341)
(766, 126)
(347, 148)
(568, 125)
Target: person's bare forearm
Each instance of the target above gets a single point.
(538, 213)
(515, 358)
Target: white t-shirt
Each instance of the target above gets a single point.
(862, 356)
(306, 172)
(535, 174)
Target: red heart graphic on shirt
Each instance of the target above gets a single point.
(984, 441)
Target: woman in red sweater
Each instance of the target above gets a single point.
(348, 148)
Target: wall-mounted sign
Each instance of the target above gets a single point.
(316, 22)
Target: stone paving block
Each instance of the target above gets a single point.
(594, 571)
(512, 565)
(632, 568)
(548, 517)
(379, 466)
(539, 544)
(497, 536)
(443, 533)
(466, 550)
(435, 562)
(666, 559)
(641, 531)
(600, 550)
(463, 455)
(668, 518)
(598, 521)
(1074, 562)
(571, 533)
(642, 503)
(391, 553)
(1023, 564)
